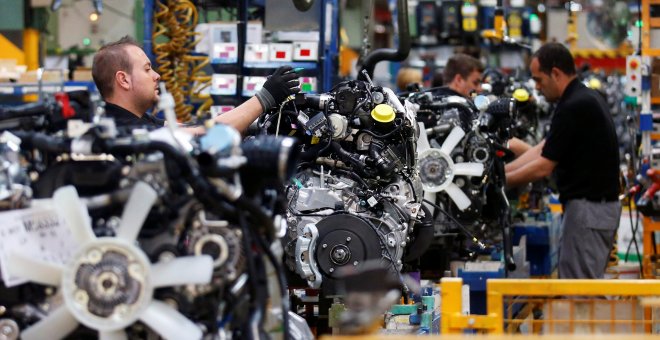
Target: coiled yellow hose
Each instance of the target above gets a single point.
(173, 39)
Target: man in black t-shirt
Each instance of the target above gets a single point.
(462, 76)
(122, 72)
(582, 151)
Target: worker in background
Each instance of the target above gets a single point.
(127, 82)
(582, 150)
(461, 76)
(409, 79)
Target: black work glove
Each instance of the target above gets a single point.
(281, 84)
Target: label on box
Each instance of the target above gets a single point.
(39, 233)
(223, 84)
(254, 32)
(252, 84)
(281, 52)
(256, 53)
(223, 32)
(305, 51)
(217, 110)
(225, 53)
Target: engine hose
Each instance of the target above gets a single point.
(42, 142)
(201, 188)
(252, 326)
(173, 42)
(423, 237)
(460, 226)
(353, 176)
(25, 110)
(282, 283)
(507, 242)
(384, 166)
(373, 134)
(351, 158)
(312, 153)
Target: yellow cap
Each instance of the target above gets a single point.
(521, 95)
(595, 84)
(383, 113)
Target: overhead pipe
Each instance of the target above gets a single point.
(400, 54)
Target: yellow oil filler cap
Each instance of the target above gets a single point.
(521, 95)
(383, 113)
(594, 83)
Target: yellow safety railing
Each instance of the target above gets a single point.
(579, 305)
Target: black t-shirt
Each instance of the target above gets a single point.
(124, 117)
(444, 91)
(583, 142)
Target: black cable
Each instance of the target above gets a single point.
(252, 273)
(354, 176)
(384, 244)
(460, 226)
(281, 279)
(395, 130)
(330, 129)
(634, 227)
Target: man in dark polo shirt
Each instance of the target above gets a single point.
(582, 150)
(461, 76)
(128, 84)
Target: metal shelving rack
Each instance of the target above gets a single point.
(18, 89)
(324, 69)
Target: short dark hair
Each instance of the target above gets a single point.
(462, 64)
(555, 55)
(110, 58)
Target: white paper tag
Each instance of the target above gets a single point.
(37, 232)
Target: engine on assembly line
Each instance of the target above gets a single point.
(356, 195)
(98, 222)
(461, 165)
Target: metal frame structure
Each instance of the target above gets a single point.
(453, 321)
(328, 42)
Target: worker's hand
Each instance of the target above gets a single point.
(281, 84)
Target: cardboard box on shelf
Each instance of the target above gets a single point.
(281, 52)
(47, 76)
(10, 71)
(305, 51)
(223, 84)
(256, 53)
(225, 53)
(655, 66)
(83, 74)
(655, 85)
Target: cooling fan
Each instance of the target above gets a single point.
(437, 169)
(108, 284)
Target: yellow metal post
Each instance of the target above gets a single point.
(31, 48)
(549, 287)
(451, 300)
(495, 309)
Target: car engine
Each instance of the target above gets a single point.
(356, 195)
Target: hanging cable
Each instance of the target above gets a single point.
(173, 42)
